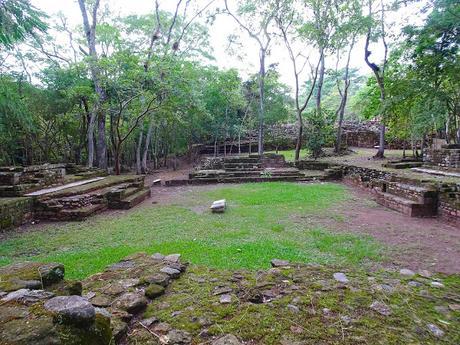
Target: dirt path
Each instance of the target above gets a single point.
(416, 243)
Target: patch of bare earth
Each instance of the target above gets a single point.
(416, 243)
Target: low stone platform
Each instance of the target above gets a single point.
(403, 164)
(18, 181)
(241, 169)
(80, 202)
(74, 201)
(156, 299)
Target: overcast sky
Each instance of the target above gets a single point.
(221, 29)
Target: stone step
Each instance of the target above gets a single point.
(121, 192)
(420, 194)
(403, 165)
(247, 179)
(244, 169)
(131, 200)
(406, 206)
(241, 165)
(241, 160)
(75, 214)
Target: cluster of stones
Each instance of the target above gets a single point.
(38, 307)
(126, 288)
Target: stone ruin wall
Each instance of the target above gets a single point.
(15, 212)
(448, 194)
(16, 181)
(449, 203)
(284, 137)
(447, 157)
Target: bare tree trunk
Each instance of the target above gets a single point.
(298, 145)
(117, 160)
(319, 90)
(148, 139)
(91, 141)
(239, 141)
(261, 101)
(101, 145)
(343, 102)
(138, 153)
(90, 33)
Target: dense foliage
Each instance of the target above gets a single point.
(144, 89)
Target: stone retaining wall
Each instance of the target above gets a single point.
(445, 158)
(449, 203)
(14, 212)
(445, 196)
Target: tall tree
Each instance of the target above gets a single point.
(290, 24)
(379, 71)
(259, 15)
(97, 113)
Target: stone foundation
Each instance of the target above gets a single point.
(449, 203)
(412, 197)
(15, 212)
(447, 157)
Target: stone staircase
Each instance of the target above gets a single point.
(78, 203)
(409, 199)
(240, 169)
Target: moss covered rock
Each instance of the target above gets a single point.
(30, 275)
(154, 290)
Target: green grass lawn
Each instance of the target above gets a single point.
(257, 227)
(289, 155)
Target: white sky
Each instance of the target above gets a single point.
(222, 28)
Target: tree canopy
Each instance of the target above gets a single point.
(135, 91)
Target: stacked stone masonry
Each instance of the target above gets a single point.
(411, 197)
(447, 157)
(66, 192)
(15, 211)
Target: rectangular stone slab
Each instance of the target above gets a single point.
(69, 185)
(218, 206)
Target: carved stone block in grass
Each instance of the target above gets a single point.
(219, 206)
